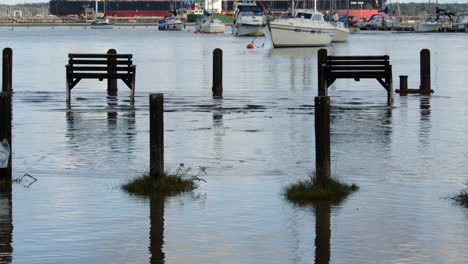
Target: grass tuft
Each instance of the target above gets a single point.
(310, 190)
(163, 185)
(462, 198)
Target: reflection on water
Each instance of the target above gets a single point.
(256, 140)
(118, 132)
(156, 230)
(6, 225)
(322, 233)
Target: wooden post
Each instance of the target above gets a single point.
(111, 82)
(322, 84)
(217, 73)
(156, 230)
(322, 138)
(5, 131)
(156, 135)
(425, 66)
(403, 85)
(322, 233)
(7, 67)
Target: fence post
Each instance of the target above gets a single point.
(217, 73)
(111, 82)
(322, 138)
(403, 85)
(5, 131)
(322, 85)
(156, 135)
(7, 67)
(425, 66)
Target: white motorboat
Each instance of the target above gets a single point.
(249, 20)
(427, 26)
(210, 25)
(301, 28)
(341, 32)
(102, 24)
(170, 24)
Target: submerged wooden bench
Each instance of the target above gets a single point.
(110, 66)
(354, 67)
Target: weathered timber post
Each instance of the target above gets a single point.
(112, 82)
(7, 67)
(322, 138)
(156, 135)
(322, 84)
(403, 85)
(217, 73)
(322, 233)
(425, 66)
(5, 131)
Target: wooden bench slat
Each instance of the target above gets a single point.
(119, 62)
(101, 75)
(357, 68)
(100, 68)
(363, 75)
(93, 55)
(385, 57)
(355, 62)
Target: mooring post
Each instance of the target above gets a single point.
(322, 138)
(425, 61)
(403, 85)
(5, 132)
(156, 135)
(112, 82)
(217, 73)
(322, 85)
(7, 76)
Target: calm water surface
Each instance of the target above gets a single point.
(406, 158)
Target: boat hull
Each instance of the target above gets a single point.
(210, 28)
(102, 26)
(248, 30)
(283, 36)
(341, 35)
(427, 27)
(170, 27)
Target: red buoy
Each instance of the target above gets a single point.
(250, 46)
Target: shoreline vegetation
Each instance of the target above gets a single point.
(166, 184)
(312, 190)
(461, 198)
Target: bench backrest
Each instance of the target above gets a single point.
(337, 64)
(100, 62)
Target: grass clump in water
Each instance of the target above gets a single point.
(462, 198)
(311, 190)
(164, 185)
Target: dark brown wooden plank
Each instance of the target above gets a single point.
(118, 62)
(357, 68)
(385, 57)
(99, 68)
(357, 62)
(99, 75)
(352, 75)
(92, 55)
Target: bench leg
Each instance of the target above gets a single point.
(132, 90)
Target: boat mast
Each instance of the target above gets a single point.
(96, 11)
(315, 5)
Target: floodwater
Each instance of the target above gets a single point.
(407, 158)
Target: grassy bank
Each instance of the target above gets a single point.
(166, 184)
(311, 190)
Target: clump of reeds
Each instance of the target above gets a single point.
(462, 198)
(165, 184)
(313, 190)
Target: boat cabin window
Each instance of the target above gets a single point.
(251, 9)
(305, 15)
(285, 15)
(317, 17)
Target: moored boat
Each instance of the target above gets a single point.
(249, 20)
(301, 28)
(210, 25)
(170, 24)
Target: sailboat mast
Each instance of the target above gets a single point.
(96, 11)
(315, 5)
